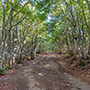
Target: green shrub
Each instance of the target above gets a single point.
(10, 67)
(88, 57)
(74, 58)
(2, 71)
(68, 56)
(82, 63)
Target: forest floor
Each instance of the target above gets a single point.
(42, 73)
(77, 71)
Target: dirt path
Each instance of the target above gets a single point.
(42, 73)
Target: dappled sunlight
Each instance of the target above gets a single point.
(42, 39)
(48, 66)
(40, 74)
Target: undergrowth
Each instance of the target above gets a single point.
(2, 71)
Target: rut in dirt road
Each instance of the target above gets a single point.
(44, 73)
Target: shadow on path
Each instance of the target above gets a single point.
(44, 73)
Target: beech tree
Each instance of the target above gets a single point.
(20, 22)
(31, 26)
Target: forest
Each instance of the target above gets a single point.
(28, 27)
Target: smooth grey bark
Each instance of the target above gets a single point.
(73, 22)
(88, 3)
(3, 38)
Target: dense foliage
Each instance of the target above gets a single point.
(28, 27)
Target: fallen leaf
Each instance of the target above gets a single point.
(37, 83)
(64, 84)
(40, 74)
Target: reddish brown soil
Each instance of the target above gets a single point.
(42, 73)
(13, 79)
(84, 73)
